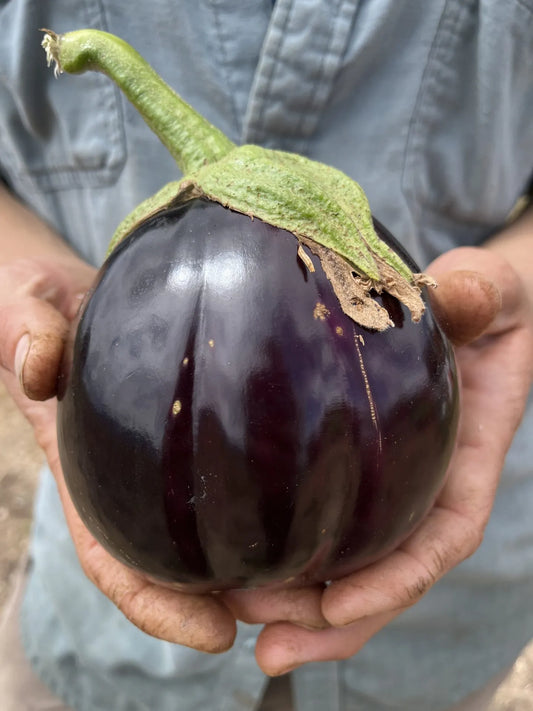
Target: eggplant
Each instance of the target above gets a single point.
(256, 391)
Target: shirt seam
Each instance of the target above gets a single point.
(222, 49)
(257, 122)
(419, 122)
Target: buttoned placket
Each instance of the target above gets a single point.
(299, 61)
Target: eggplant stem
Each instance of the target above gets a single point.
(189, 137)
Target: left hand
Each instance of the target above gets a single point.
(38, 301)
(484, 308)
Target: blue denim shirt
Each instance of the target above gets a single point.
(428, 105)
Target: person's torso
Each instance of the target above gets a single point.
(428, 106)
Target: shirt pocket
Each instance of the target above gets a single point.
(54, 133)
(469, 152)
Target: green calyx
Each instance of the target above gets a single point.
(326, 210)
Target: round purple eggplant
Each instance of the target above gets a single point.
(223, 423)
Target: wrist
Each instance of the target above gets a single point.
(514, 243)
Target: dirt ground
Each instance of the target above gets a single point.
(20, 460)
(19, 463)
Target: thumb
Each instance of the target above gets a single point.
(465, 303)
(478, 293)
(38, 299)
(33, 335)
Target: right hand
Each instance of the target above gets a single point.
(38, 301)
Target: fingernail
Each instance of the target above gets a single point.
(21, 354)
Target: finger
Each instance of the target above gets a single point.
(61, 282)
(465, 304)
(201, 622)
(399, 580)
(282, 647)
(453, 529)
(491, 269)
(32, 343)
(494, 382)
(301, 606)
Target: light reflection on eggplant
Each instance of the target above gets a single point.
(223, 423)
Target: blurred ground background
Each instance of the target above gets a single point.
(20, 460)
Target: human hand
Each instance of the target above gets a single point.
(484, 308)
(38, 300)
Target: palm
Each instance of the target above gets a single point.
(495, 374)
(40, 298)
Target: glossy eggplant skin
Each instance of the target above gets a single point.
(222, 423)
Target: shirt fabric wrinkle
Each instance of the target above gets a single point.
(299, 65)
(254, 118)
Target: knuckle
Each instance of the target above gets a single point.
(140, 608)
(419, 588)
(31, 277)
(472, 541)
(92, 572)
(90, 556)
(128, 600)
(91, 569)
(20, 277)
